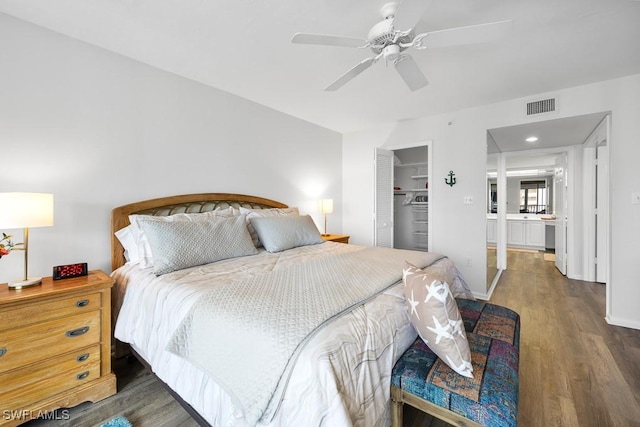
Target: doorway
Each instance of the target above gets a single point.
(402, 217)
(565, 208)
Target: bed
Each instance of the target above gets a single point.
(335, 371)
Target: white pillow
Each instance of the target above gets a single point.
(253, 213)
(176, 245)
(129, 243)
(278, 233)
(145, 256)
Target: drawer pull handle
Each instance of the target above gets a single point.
(82, 376)
(82, 357)
(82, 303)
(3, 351)
(77, 332)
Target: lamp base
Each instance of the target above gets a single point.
(31, 281)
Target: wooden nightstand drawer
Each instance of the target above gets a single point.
(35, 313)
(23, 346)
(40, 380)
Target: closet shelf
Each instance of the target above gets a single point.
(419, 176)
(411, 190)
(411, 165)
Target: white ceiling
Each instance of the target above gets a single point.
(538, 158)
(243, 47)
(550, 134)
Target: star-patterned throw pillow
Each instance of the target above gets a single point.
(435, 315)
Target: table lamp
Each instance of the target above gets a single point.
(26, 210)
(326, 207)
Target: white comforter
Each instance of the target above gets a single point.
(342, 375)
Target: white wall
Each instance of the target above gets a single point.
(459, 144)
(99, 130)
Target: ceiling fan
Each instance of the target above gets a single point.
(391, 37)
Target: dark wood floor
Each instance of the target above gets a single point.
(575, 369)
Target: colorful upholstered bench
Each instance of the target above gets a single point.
(422, 380)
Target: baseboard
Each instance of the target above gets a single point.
(626, 323)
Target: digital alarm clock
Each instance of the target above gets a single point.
(69, 271)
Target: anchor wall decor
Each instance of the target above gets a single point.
(452, 179)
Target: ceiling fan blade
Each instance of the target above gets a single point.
(410, 72)
(409, 13)
(471, 34)
(319, 39)
(346, 77)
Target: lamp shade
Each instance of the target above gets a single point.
(26, 210)
(326, 206)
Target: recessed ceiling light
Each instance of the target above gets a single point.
(532, 139)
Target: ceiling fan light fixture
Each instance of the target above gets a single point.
(391, 52)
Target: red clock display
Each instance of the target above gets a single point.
(68, 271)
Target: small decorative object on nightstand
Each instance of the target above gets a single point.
(55, 346)
(338, 238)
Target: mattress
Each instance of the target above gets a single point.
(342, 375)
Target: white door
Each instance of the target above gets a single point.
(560, 205)
(383, 203)
(602, 213)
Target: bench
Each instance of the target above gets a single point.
(422, 380)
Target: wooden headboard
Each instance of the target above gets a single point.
(187, 203)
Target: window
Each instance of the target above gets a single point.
(533, 197)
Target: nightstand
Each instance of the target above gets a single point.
(338, 238)
(55, 346)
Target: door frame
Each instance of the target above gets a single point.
(570, 198)
(597, 194)
(429, 145)
(561, 176)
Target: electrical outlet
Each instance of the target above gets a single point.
(468, 200)
(635, 198)
(468, 262)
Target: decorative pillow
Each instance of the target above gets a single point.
(129, 243)
(446, 269)
(435, 315)
(181, 244)
(278, 233)
(145, 256)
(253, 213)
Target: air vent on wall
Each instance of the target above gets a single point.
(543, 106)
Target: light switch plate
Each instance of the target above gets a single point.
(635, 198)
(468, 200)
